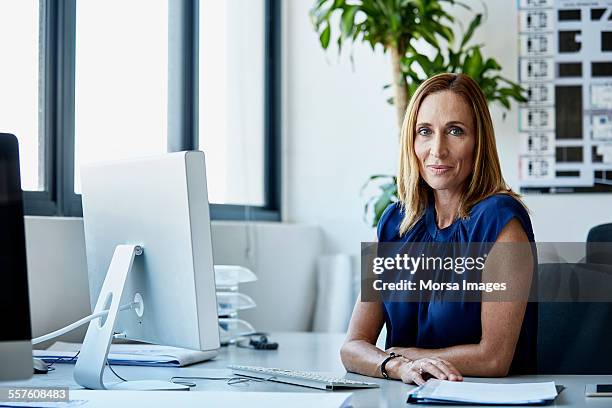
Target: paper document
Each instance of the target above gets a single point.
(129, 354)
(437, 391)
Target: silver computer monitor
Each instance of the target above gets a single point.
(161, 205)
(16, 332)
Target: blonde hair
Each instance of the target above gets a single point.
(486, 178)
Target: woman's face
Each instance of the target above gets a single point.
(444, 141)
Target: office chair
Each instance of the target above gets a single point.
(599, 254)
(574, 337)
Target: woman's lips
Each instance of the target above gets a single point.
(439, 169)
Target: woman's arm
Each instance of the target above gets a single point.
(360, 355)
(501, 321)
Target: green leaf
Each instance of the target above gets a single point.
(426, 31)
(470, 31)
(395, 23)
(381, 204)
(491, 64)
(473, 64)
(412, 88)
(348, 20)
(424, 62)
(447, 33)
(318, 13)
(325, 37)
(459, 3)
(438, 62)
(514, 93)
(504, 101)
(507, 92)
(388, 195)
(357, 30)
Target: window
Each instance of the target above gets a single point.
(231, 99)
(121, 81)
(100, 80)
(20, 38)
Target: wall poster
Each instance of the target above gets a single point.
(565, 63)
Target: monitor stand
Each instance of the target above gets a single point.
(89, 368)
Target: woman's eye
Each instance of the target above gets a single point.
(455, 131)
(423, 131)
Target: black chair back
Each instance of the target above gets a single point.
(596, 253)
(576, 337)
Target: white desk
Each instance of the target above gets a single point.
(312, 352)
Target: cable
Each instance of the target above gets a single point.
(62, 359)
(78, 324)
(235, 381)
(116, 375)
(185, 380)
(230, 380)
(239, 336)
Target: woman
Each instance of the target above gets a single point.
(450, 189)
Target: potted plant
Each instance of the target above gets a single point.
(397, 25)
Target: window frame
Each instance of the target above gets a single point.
(45, 202)
(58, 77)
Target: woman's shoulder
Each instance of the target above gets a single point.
(389, 222)
(492, 214)
(499, 202)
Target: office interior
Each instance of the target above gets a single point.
(291, 142)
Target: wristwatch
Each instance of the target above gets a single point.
(383, 370)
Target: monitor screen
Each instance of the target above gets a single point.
(14, 299)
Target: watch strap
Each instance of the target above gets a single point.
(383, 365)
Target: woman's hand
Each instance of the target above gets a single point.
(419, 371)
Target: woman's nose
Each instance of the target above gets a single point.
(438, 146)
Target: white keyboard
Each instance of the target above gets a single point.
(303, 378)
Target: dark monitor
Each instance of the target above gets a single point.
(15, 328)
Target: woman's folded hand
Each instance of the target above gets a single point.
(419, 371)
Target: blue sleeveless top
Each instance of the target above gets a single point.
(436, 324)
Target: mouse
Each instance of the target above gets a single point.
(40, 367)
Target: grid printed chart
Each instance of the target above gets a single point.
(565, 63)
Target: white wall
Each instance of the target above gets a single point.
(283, 256)
(340, 130)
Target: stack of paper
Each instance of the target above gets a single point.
(437, 392)
(129, 354)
